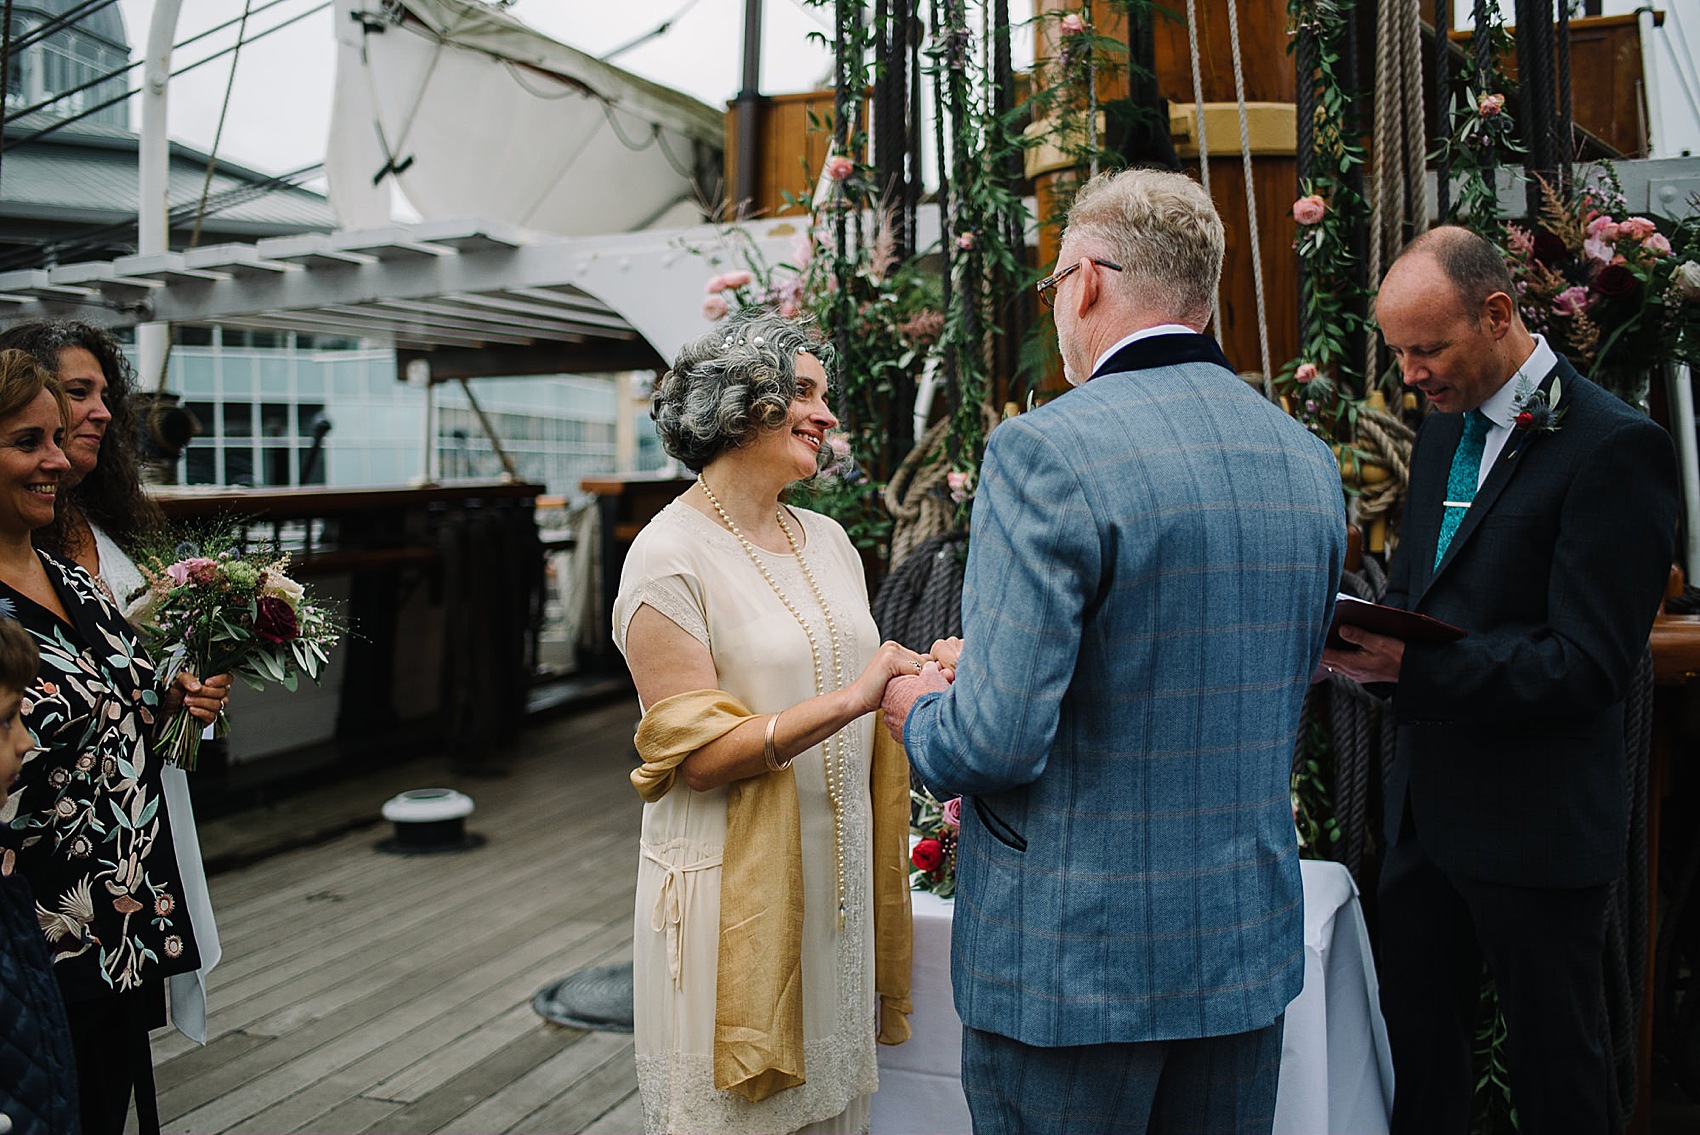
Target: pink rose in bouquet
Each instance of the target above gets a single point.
(951, 811)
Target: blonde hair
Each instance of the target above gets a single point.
(22, 379)
(1164, 232)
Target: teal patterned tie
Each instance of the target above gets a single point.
(1461, 482)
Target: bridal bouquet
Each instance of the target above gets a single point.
(230, 612)
(933, 858)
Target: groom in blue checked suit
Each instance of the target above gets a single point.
(1152, 566)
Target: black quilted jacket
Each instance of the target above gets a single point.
(38, 1079)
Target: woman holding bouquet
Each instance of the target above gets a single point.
(101, 510)
(86, 819)
(772, 908)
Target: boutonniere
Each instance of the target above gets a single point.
(1537, 412)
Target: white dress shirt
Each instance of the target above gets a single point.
(1501, 409)
(1148, 333)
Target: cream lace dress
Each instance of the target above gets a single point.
(695, 572)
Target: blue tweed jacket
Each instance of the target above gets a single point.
(1152, 567)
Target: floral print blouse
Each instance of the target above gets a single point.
(87, 820)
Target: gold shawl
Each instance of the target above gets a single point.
(758, 995)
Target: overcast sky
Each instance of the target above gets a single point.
(280, 104)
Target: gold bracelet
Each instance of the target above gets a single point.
(774, 764)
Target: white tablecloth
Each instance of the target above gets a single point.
(1336, 1074)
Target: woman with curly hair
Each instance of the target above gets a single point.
(102, 509)
(771, 935)
(100, 512)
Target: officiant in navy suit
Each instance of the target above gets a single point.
(1541, 519)
(1152, 563)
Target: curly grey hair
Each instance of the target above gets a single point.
(732, 383)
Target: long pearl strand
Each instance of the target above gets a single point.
(835, 746)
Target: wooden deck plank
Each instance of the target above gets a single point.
(587, 1098)
(292, 968)
(264, 1075)
(540, 1087)
(624, 1118)
(365, 992)
(490, 1077)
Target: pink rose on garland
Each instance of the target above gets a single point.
(927, 856)
(1072, 24)
(1310, 210)
(839, 167)
(951, 811)
(1491, 106)
(1638, 228)
(274, 620)
(1305, 373)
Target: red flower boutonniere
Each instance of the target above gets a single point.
(1538, 412)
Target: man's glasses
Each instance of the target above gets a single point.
(1047, 288)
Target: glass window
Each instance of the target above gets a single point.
(306, 414)
(199, 466)
(312, 467)
(239, 467)
(238, 419)
(203, 412)
(194, 335)
(274, 419)
(278, 459)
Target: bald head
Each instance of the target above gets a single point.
(1474, 268)
(1447, 315)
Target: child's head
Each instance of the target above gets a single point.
(18, 662)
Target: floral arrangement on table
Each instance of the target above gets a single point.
(1617, 294)
(933, 858)
(231, 611)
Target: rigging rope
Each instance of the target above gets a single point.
(1250, 203)
(218, 133)
(1203, 145)
(1399, 194)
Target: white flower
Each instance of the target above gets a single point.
(280, 586)
(1687, 280)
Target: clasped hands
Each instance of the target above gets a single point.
(938, 671)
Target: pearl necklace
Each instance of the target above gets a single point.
(835, 748)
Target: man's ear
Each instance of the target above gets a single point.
(1498, 313)
(1088, 290)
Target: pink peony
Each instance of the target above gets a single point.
(199, 569)
(1638, 228)
(1596, 249)
(951, 811)
(1658, 244)
(1310, 210)
(839, 167)
(1604, 228)
(1305, 373)
(715, 308)
(1491, 106)
(1073, 24)
(1571, 301)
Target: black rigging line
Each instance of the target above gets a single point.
(128, 67)
(98, 107)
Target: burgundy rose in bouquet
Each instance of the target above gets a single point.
(235, 611)
(933, 858)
